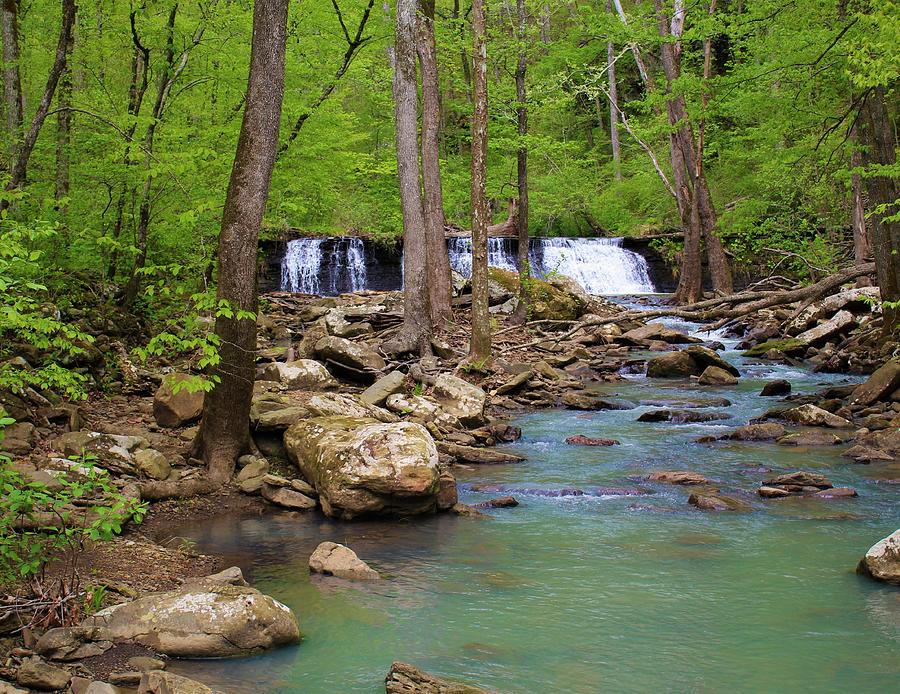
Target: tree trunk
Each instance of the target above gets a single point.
(438, 261)
(521, 312)
(862, 233)
(224, 430)
(415, 334)
(64, 126)
(613, 103)
(466, 63)
(23, 153)
(480, 346)
(12, 80)
(883, 192)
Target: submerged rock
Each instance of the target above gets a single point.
(677, 477)
(205, 618)
(499, 502)
(768, 431)
(673, 365)
(718, 502)
(775, 388)
(408, 679)
(882, 561)
(681, 416)
(362, 467)
(333, 559)
(585, 400)
(581, 440)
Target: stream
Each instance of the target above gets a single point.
(598, 591)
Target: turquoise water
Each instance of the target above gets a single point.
(593, 593)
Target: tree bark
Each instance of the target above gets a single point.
(521, 312)
(613, 103)
(415, 335)
(224, 430)
(12, 80)
(23, 153)
(883, 192)
(862, 232)
(438, 261)
(480, 346)
(64, 126)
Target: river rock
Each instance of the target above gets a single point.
(343, 405)
(461, 399)
(286, 498)
(795, 483)
(812, 416)
(581, 440)
(7, 688)
(515, 383)
(340, 561)
(151, 463)
(705, 357)
(35, 673)
(837, 493)
(882, 561)
(303, 374)
(203, 619)
(18, 439)
(655, 331)
(886, 442)
(814, 437)
(818, 334)
(768, 431)
(159, 682)
(681, 416)
(879, 386)
(408, 679)
(775, 388)
(383, 388)
(70, 643)
(714, 376)
(790, 347)
(673, 365)
(277, 418)
(478, 456)
(588, 401)
(718, 502)
(112, 452)
(356, 356)
(499, 502)
(448, 492)
(176, 409)
(362, 467)
(684, 477)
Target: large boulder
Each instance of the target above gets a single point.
(206, 618)
(174, 403)
(343, 405)
(715, 376)
(656, 332)
(110, 451)
(821, 332)
(673, 365)
(35, 673)
(303, 374)
(547, 301)
(704, 356)
(362, 467)
(812, 416)
(879, 386)
(332, 559)
(460, 399)
(882, 561)
(352, 356)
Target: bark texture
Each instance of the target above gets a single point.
(438, 261)
(12, 81)
(224, 430)
(416, 331)
(883, 192)
(480, 345)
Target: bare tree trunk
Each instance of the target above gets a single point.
(224, 430)
(521, 312)
(12, 80)
(480, 346)
(23, 154)
(613, 103)
(438, 260)
(415, 334)
(64, 126)
(466, 62)
(862, 232)
(883, 192)
(167, 79)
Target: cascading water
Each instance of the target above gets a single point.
(339, 264)
(600, 265)
(324, 266)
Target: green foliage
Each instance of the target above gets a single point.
(26, 318)
(40, 525)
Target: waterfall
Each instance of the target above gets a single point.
(324, 266)
(600, 265)
(336, 265)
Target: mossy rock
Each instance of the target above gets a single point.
(790, 346)
(547, 302)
